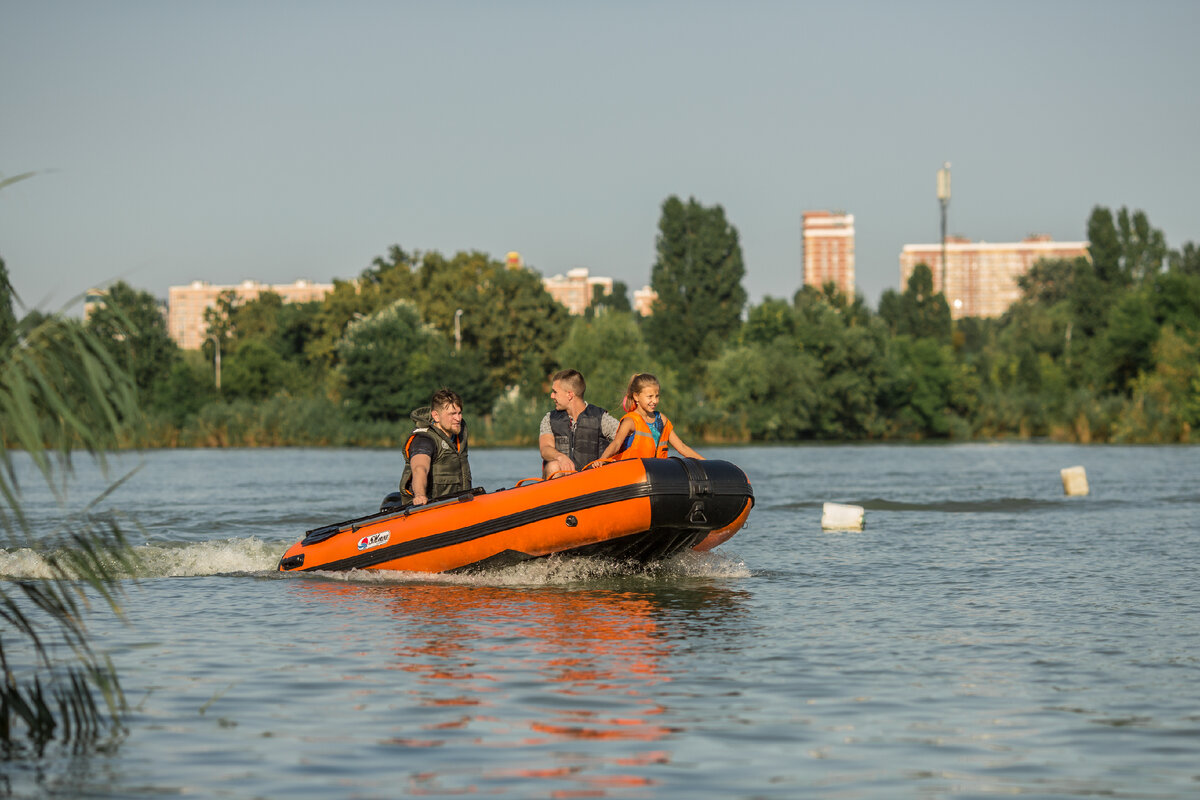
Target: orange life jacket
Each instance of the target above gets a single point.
(640, 443)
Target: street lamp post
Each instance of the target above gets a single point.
(943, 193)
(216, 359)
(458, 330)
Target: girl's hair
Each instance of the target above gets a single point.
(639, 381)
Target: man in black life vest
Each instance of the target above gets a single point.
(436, 452)
(576, 432)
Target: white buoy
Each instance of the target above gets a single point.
(1074, 480)
(838, 517)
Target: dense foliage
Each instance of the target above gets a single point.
(1099, 349)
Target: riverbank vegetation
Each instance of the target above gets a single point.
(61, 391)
(1104, 349)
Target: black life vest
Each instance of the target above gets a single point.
(586, 442)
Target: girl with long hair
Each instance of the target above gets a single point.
(645, 431)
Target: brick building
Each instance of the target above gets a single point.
(575, 291)
(981, 277)
(829, 249)
(186, 304)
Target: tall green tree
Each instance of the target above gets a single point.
(1143, 248)
(767, 390)
(1125, 248)
(1186, 259)
(131, 324)
(254, 371)
(1104, 245)
(616, 300)
(391, 362)
(697, 275)
(608, 350)
(930, 393)
(850, 348)
(390, 278)
(1165, 402)
(348, 301)
(508, 320)
(919, 312)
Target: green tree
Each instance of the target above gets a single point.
(767, 390)
(769, 320)
(1143, 248)
(1176, 299)
(1126, 249)
(850, 350)
(257, 318)
(220, 317)
(930, 394)
(616, 300)
(344, 304)
(131, 324)
(1165, 402)
(697, 275)
(608, 350)
(391, 363)
(1186, 259)
(1104, 245)
(254, 371)
(516, 327)
(1129, 338)
(508, 320)
(390, 278)
(1050, 280)
(188, 387)
(919, 312)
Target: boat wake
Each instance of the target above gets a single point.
(258, 558)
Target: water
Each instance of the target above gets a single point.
(983, 636)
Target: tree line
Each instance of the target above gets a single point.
(1097, 349)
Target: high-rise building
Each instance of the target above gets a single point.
(829, 249)
(186, 304)
(981, 277)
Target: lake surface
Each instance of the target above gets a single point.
(984, 635)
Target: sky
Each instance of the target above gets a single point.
(229, 140)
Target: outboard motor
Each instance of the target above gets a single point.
(393, 502)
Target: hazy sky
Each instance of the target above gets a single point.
(222, 141)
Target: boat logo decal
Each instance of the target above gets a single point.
(374, 540)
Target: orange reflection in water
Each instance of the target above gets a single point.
(574, 653)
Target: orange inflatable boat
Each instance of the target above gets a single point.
(640, 510)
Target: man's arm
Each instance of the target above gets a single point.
(608, 426)
(555, 461)
(420, 464)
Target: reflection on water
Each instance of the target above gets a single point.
(535, 667)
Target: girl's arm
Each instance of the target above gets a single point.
(623, 430)
(682, 448)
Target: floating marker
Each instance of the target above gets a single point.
(837, 517)
(1074, 480)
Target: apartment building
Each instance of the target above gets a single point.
(828, 239)
(186, 304)
(576, 289)
(981, 277)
